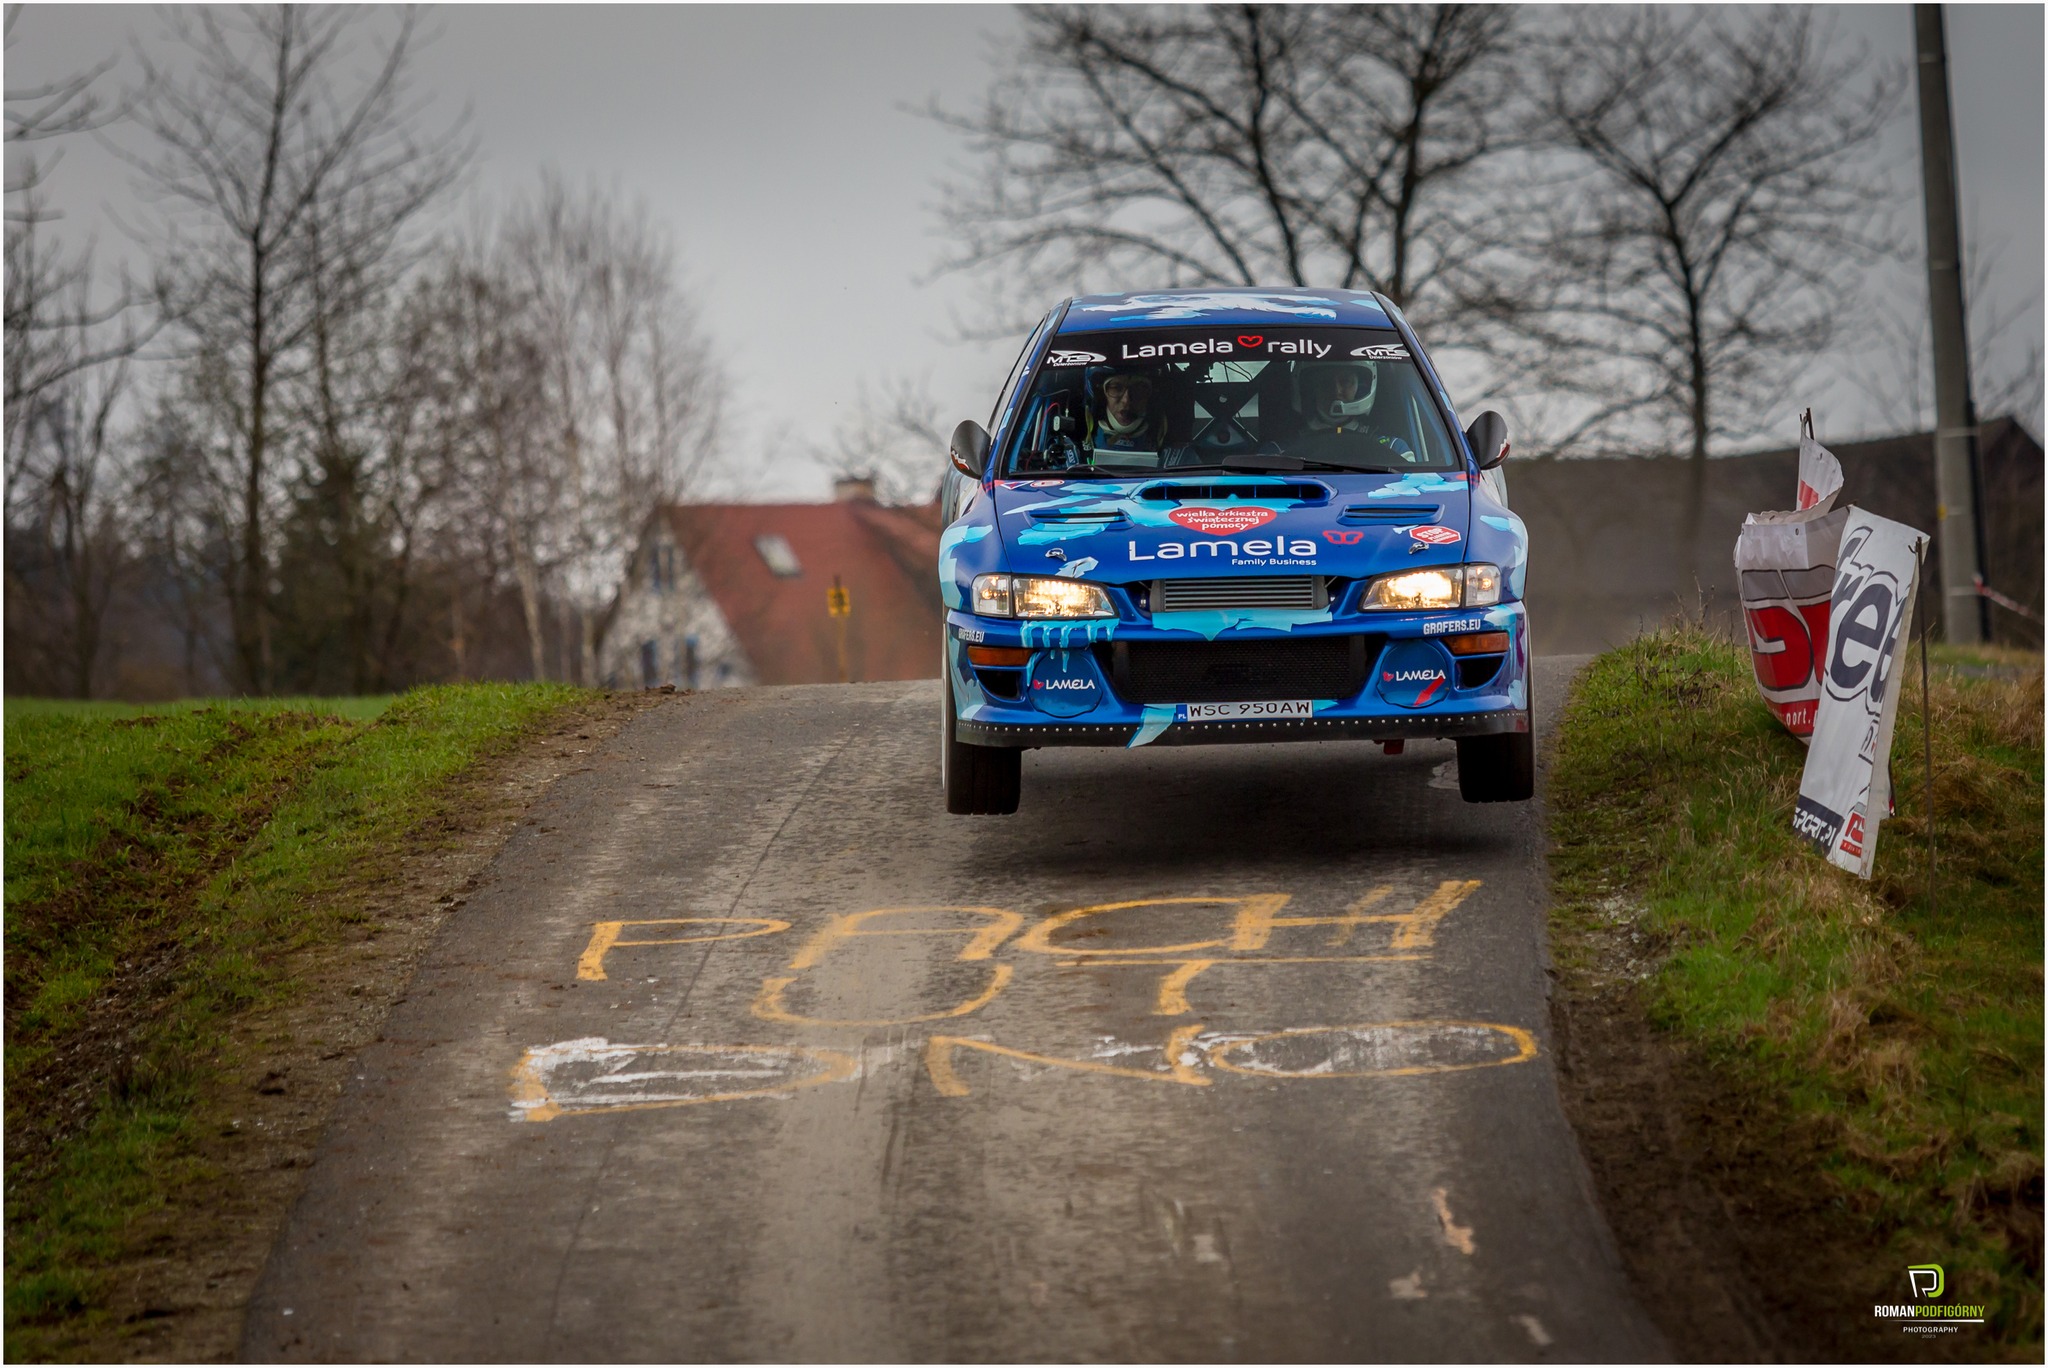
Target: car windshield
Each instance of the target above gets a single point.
(1135, 401)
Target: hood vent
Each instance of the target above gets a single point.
(1390, 515)
(1251, 591)
(1071, 517)
(1192, 492)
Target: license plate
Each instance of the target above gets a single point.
(1231, 712)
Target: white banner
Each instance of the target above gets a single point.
(1846, 790)
(1785, 565)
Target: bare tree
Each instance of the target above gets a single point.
(480, 385)
(892, 437)
(66, 545)
(567, 391)
(1238, 145)
(292, 176)
(68, 342)
(630, 392)
(1894, 369)
(1695, 244)
(183, 497)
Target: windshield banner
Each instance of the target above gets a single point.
(1785, 563)
(1846, 789)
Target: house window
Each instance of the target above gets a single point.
(775, 550)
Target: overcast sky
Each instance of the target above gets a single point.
(780, 148)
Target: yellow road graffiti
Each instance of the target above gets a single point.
(1256, 922)
(982, 940)
(1416, 929)
(1424, 1032)
(605, 936)
(938, 1062)
(587, 1076)
(1258, 906)
(1172, 999)
(769, 1005)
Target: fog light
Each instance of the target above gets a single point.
(1477, 643)
(998, 655)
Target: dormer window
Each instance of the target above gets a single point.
(776, 553)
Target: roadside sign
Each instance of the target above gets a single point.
(1846, 789)
(837, 601)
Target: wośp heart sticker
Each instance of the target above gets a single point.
(1250, 341)
(1221, 522)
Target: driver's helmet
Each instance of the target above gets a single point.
(1317, 391)
(1100, 377)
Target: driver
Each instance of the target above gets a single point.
(1336, 399)
(1124, 418)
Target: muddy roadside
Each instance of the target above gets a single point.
(180, 1293)
(1736, 1246)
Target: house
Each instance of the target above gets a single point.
(729, 594)
(1605, 558)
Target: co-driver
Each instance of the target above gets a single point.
(1337, 405)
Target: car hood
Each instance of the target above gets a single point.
(1175, 526)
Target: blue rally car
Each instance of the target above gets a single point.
(1230, 515)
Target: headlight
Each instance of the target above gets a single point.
(1039, 596)
(1458, 586)
(1482, 585)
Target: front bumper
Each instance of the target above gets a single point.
(1091, 700)
(1437, 725)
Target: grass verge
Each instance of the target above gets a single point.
(1896, 1040)
(163, 867)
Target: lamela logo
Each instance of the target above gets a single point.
(1926, 1313)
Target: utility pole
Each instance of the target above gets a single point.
(1959, 525)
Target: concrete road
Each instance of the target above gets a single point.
(746, 1050)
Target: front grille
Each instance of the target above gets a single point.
(1390, 515)
(1238, 671)
(1258, 591)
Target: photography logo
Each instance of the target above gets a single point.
(1926, 1313)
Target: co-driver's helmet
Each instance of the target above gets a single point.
(1316, 393)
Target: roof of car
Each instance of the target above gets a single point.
(1231, 306)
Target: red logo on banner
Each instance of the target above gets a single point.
(1852, 835)
(1787, 647)
(1251, 341)
(1222, 522)
(1435, 535)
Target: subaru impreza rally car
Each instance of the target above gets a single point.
(1230, 515)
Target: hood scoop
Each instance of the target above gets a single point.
(1074, 517)
(1390, 515)
(1192, 491)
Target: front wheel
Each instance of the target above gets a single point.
(977, 779)
(1497, 769)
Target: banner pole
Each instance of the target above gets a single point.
(1926, 734)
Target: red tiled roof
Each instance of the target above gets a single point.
(886, 557)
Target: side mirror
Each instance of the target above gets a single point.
(1488, 437)
(969, 448)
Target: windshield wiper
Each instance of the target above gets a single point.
(1283, 463)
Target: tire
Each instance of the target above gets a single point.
(1497, 769)
(977, 779)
